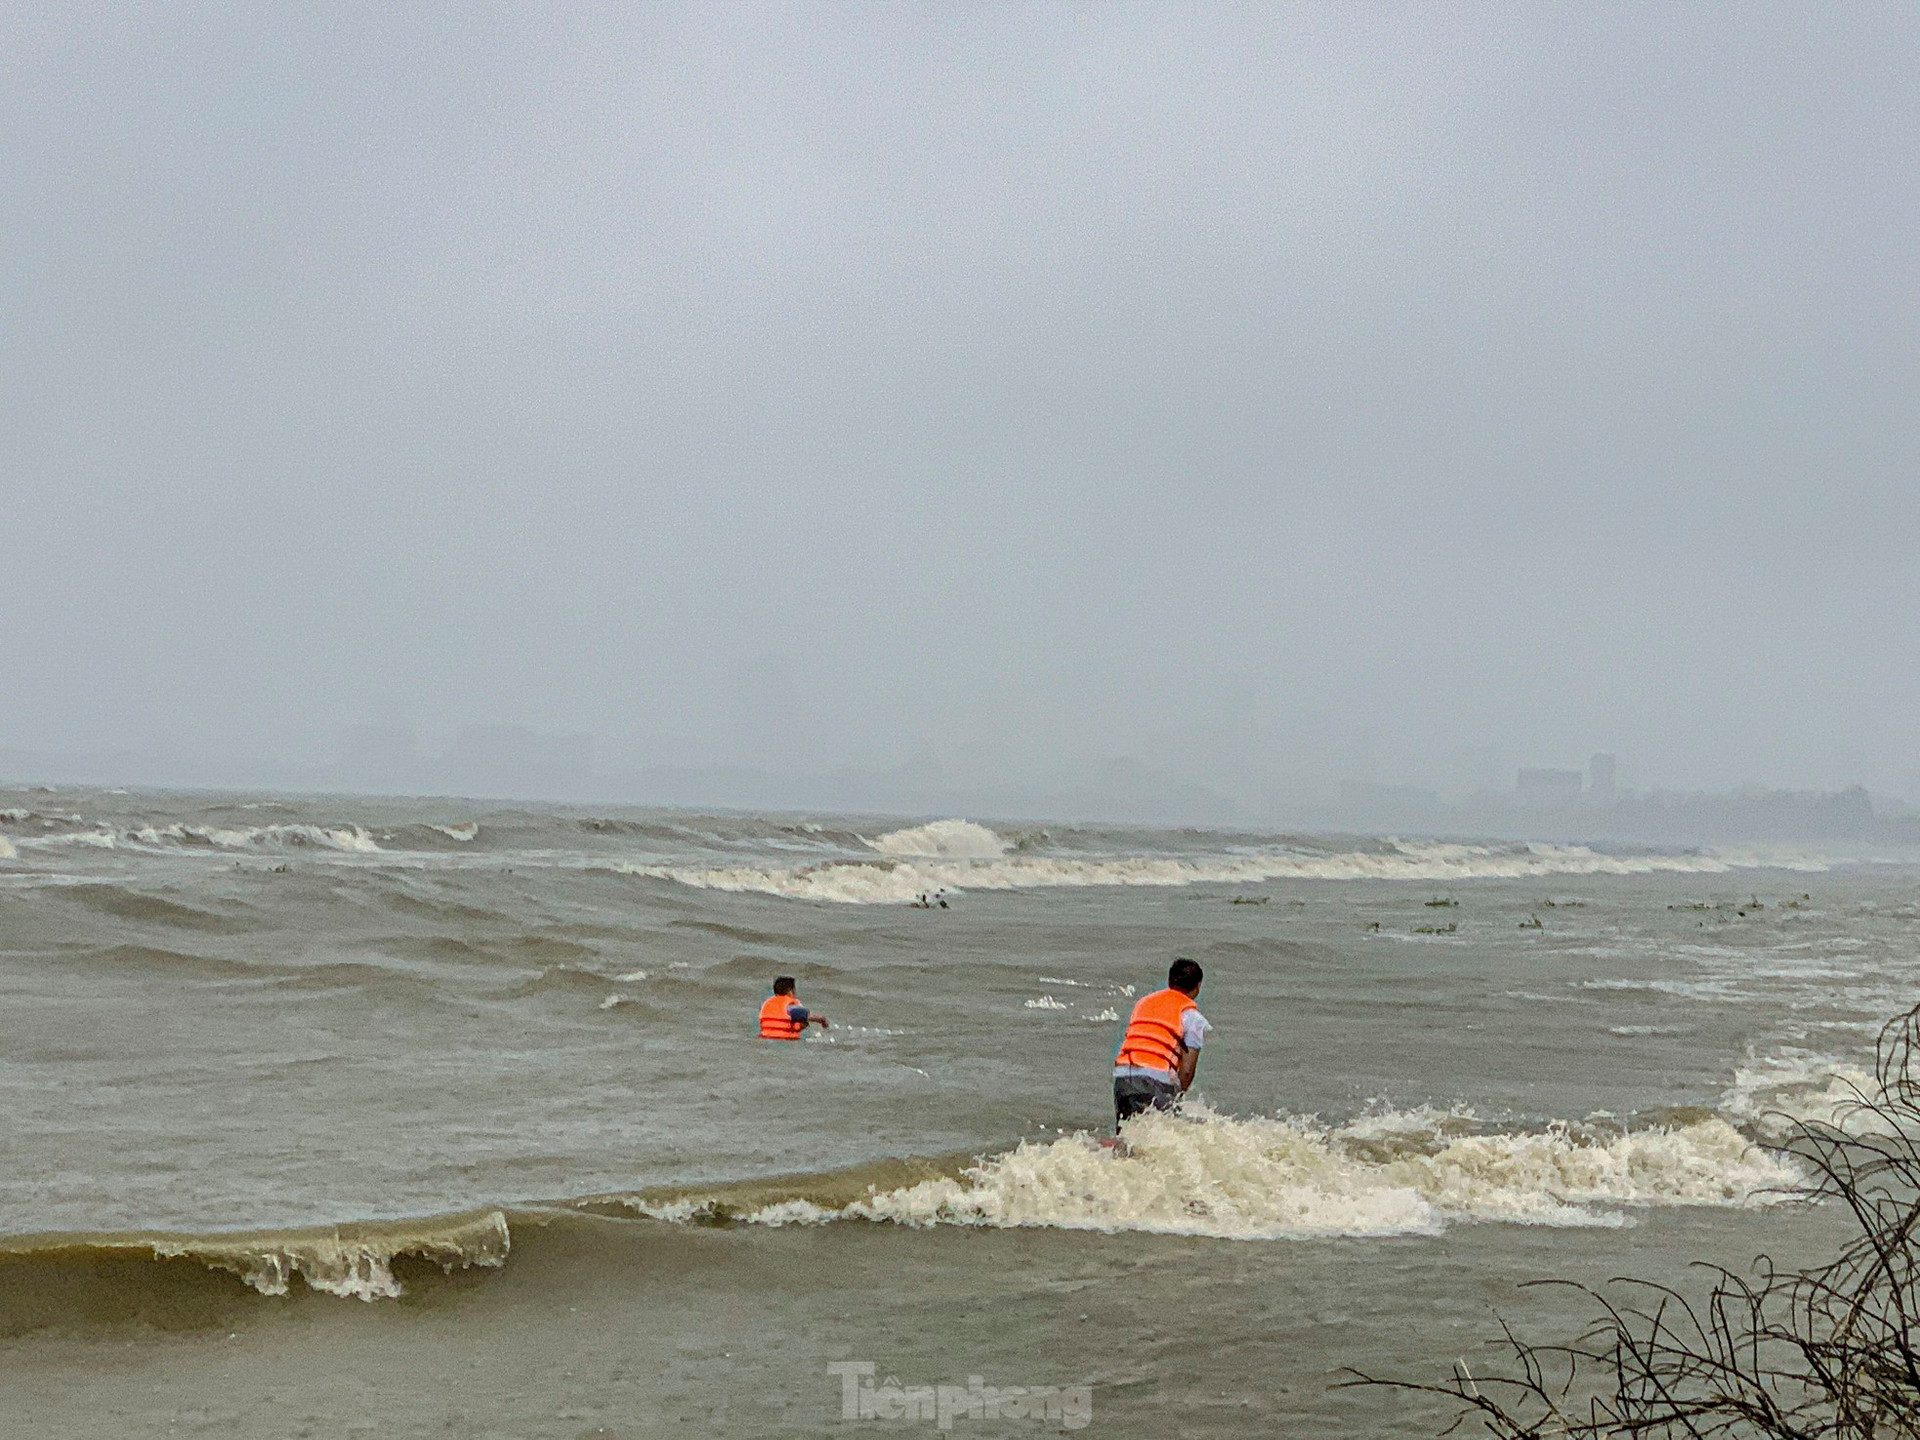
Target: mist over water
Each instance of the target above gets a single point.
(851, 410)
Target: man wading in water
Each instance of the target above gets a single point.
(782, 1016)
(1161, 1049)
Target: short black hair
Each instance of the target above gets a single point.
(783, 986)
(1185, 974)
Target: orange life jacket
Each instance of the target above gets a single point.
(775, 1023)
(1155, 1038)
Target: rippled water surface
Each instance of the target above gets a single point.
(447, 1026)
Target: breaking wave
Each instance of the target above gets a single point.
(898, 881)
(1393, 1173)
(944, 840)
(350, 839)
(1775, 1093)
(353, 1261)
(1194, 1174)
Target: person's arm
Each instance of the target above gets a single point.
(1193, 1034)
(805, 1016)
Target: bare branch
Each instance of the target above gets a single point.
(1826, 1353)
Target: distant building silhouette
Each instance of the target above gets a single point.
(1600, 770)
(1548, 789)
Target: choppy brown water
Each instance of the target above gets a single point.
(493, 1071)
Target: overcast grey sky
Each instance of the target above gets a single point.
(1299, 391)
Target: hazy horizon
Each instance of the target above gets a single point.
(1277, 399)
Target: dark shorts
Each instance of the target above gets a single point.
(1134, 1093)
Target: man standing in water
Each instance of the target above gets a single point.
(782, 1016)
(1161, 1049)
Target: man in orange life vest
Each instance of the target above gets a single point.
(782, 1016)
(1161, 1049)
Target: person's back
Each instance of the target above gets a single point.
(1160, 1050)
(782, 1016)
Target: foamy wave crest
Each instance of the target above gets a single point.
(1777, 1092)
(1278, 1179)
(351, 839)
(461, 833)
(877, 882)
(7, 852)
(354, 1261)
(944, 840)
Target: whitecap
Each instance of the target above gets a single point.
(943, 839)
(902, 880)
(1203, 1174)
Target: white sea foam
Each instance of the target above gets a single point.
(944, 840)
(1774, 1092)
(462, 833)
(899, 881)
(1393, 1173)
(7, 852)
(1282, 1178)
(103, 839)
(351, 839)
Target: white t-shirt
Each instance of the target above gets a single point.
(1194, 1028)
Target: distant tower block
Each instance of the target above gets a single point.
(1600, 777)
(1548, 789)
